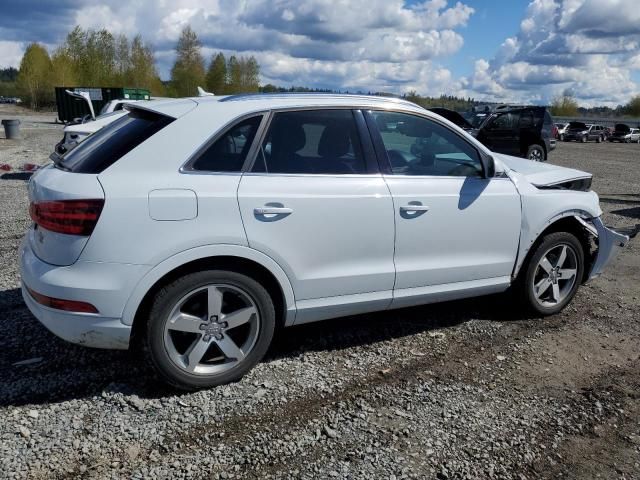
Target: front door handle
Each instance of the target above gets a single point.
(272, 211)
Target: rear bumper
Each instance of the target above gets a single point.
(106, 286)
(84, 329)
(609, 243)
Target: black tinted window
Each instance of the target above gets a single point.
(103, 148)
(315, 142)
(228, 153)
(505, 121)
(418, 146)
(526, 120)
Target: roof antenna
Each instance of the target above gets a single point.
(203, 93)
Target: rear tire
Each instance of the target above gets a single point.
(536, 153)
(209, 328)
(599, 140)
(549, 279)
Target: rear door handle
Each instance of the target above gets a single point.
(414, 208)
(272, 211)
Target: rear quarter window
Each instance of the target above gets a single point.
(105, 147)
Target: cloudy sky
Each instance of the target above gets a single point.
(509, 50)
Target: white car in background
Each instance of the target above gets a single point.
(77, 133)
(191, 228)
(561, 130)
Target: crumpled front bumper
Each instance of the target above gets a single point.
(609, 243)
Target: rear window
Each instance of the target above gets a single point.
(110, 143)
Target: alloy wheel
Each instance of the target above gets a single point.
(555, 275)
(211, 329)
(535, 155)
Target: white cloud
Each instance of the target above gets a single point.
(586, 46)
(10, 54)
(330, 43)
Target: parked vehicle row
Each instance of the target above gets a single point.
(191, 228)
(14, 100)
(584, 132)
(624, 133)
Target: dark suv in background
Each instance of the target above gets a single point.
(522, 132)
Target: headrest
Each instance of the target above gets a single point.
(288, 136)
(334, 141)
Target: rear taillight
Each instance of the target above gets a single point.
(61, 304)
(73, 217)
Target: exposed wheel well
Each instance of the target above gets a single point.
(235, 264)
(573, 226)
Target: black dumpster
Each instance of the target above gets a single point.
(70, 107)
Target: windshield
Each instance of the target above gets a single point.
(476, 119)
(102, 149)
(621, 127)
(577, 126)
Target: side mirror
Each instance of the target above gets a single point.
(489, 166)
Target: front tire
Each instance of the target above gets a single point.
(536, 153)
(209, 328)
(553, 272)
(584, 139)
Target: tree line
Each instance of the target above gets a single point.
(565, 105)
(222, 75)
(97, 58)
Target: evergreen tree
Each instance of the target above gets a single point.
(216, 79)
(188, 72)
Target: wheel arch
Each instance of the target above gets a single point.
(571, 222)
(232, 257)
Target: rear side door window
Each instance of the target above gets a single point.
(323, 142)
(505, 121)
(526, 120)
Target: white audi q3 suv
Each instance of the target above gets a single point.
(194, 227)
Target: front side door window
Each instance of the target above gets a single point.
(418, 146)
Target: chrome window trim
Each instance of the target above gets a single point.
(326, 175)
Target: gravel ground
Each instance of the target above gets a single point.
(461, 390)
